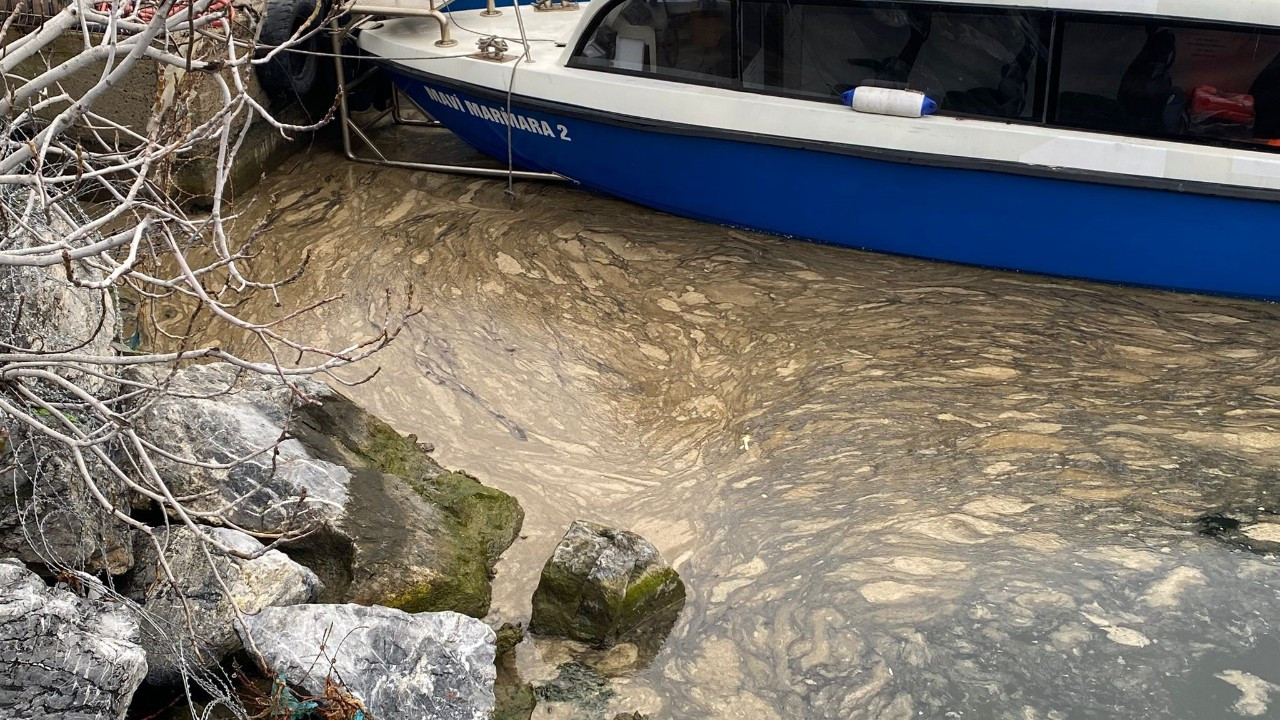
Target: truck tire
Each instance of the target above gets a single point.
(292, 76)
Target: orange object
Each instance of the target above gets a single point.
(147, 12)
(1210, 103)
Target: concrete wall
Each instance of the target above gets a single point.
(182, 101)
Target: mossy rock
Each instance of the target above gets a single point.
(461, 585)
(491, 517)
(425, 539)
(513, 700)
(513, 697)
(604, 586)
(579, 685)
(508, 637)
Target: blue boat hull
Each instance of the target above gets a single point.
(1131, 235)
(462, 5)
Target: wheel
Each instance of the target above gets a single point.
(293, 76)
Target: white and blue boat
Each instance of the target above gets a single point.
(1128, 141)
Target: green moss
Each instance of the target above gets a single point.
(642, 613)
(508, 637)
(479, 524)
(462, 589)
(556, 602)
(476, 523)
(648, 593)
(649, 610)
(491, 517)
(393, 453)
(488, 517)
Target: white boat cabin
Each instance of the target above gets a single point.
(1188, 77)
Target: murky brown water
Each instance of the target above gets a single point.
(895, 488)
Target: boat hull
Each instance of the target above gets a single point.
(1056, 226)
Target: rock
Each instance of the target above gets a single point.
(1217, 524)
(47, 513)
(1262, 537)
(63, 657)
(432, 666)
(604, 586)
(509, 636)
(578, 685)
(424, 539)
(394, 528)
(1255, 693)
(41, 309)
(513, 697)
(219, 414)
(270, 579)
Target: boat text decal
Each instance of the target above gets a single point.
(500, 116)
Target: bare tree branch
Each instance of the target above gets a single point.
(86, 207)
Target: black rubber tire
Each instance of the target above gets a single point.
(375, 91)
(291, 76)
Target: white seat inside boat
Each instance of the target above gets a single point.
(637, 35)
(636, 46)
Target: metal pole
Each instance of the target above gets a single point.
(348, 126)
(523, 38)
(464, 170)
(344, 114)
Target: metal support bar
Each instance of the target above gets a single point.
(445, 40)
(523, 38)
(400, 119)
(350, 127)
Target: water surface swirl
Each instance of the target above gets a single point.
(895, 488)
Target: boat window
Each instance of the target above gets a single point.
(678, 39)
(988, 62)
(1186, 81)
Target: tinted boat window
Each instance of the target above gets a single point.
(676, 39)
(988, 63)
(1170, 80)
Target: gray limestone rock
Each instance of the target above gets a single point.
(423, 539)
(270, 579)
(425, 666)
(41, 309)
(218, 414)
(604, 586)
(394, 528)
(63, 657)
(47, 513)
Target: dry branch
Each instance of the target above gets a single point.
(85, 209)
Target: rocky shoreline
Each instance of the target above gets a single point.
(382, 594)
(292, 557)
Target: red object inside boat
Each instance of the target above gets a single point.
(1210, 103)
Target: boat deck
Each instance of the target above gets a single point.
(548, 31)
